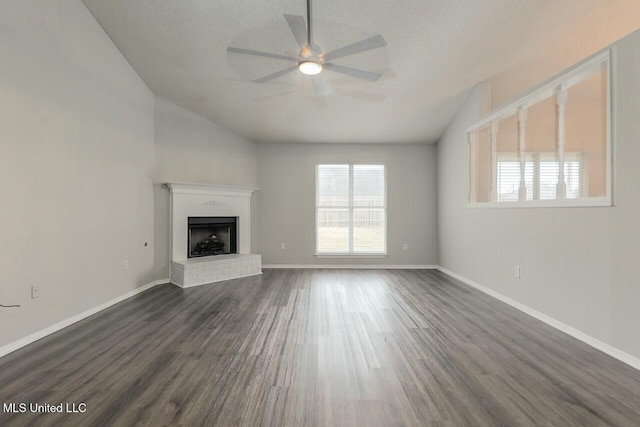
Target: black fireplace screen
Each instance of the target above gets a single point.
(212, 236)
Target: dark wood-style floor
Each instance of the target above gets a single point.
(319, 347)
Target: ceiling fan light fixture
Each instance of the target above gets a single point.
(310, 68)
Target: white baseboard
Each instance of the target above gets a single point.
(569, 330)
(354, 266)
(15, 345)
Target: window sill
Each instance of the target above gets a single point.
(592, 202)
(364, 256)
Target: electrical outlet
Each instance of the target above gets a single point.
(517, 271)
(405, 247)
(35, 292)
(282, 246)
(125, 264)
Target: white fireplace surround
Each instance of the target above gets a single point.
(204, 200)
(208, 200)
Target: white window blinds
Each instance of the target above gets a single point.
(508, 179)
(540, 175)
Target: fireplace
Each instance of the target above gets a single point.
(207, 236)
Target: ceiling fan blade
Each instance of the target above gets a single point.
(298, 28)
(353, 72)
(276, 74)
(258, 53)
(357, 47)
(320, 87)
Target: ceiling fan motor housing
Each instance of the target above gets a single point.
(311, 53)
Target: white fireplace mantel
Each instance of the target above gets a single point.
(189, 200)
(213, 190)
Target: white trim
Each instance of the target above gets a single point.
(569, 330)
(15, 345)
(354, 266)
(351, 216)
(351, 255)
(214, 190)
(591, 202)
(612, 114)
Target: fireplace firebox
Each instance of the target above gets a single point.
(207, 236)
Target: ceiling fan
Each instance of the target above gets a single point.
(311, 59)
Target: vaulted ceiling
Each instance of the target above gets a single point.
(436, 51)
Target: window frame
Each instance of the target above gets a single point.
(384, 208)
(540, 92)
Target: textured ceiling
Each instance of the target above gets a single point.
(436, 51)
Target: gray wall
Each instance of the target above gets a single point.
(76, 166)
(286, 173)
(192, 149)
(580, 266)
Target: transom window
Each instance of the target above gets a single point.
(351, 209)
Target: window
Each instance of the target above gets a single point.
(540, 176)
(552, 147)
(351, 210)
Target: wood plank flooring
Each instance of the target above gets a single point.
(319, 347)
